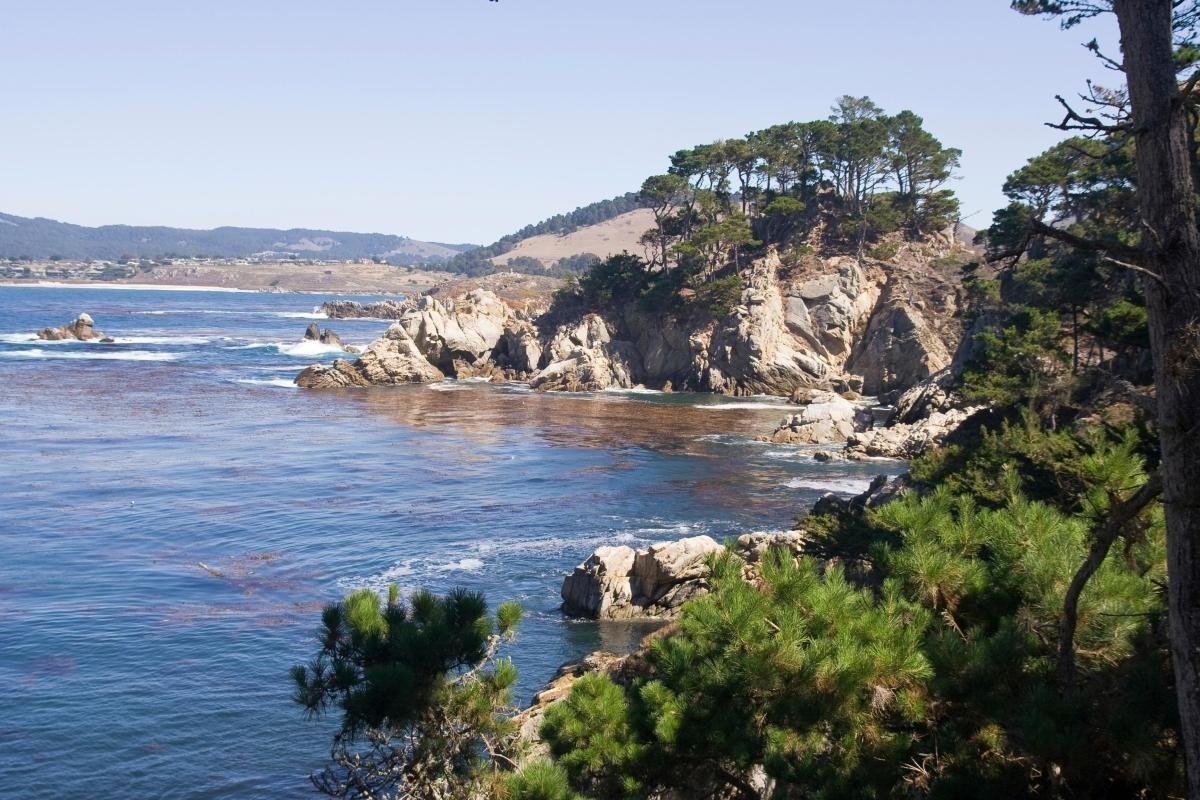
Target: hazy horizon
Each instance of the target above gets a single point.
(463, 121)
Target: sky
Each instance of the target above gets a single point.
(463, 120)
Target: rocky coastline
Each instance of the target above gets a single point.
(863, 347)
(617, 584)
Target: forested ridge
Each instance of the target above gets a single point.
(39, 238)
(836, 185)
(1019, 621)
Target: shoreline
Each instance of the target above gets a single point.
(176, 287)
(137, 287)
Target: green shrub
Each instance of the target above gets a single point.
(719, 296)
(884, 251)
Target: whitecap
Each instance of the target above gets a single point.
(740, 406)
(159, 312)
(282, 383)
(299, 314)
(176, 340)
(24, 338)
(104, 355)
(309, 348)
(838, 484)
(18, 338)
(463, 565)
(634, 390)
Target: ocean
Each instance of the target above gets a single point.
(175, 513)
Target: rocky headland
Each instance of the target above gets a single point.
(861, 345)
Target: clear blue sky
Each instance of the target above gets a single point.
(461, 120)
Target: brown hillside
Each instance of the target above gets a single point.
(617, 234)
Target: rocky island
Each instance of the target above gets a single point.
(82, 329)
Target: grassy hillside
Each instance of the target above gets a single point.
(619, 234)
(485, 260)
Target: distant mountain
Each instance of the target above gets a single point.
(42, 238)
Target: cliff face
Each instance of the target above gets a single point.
(806, 322)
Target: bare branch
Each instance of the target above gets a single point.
(1074, 121)
(1112, 64)
(1134, 267)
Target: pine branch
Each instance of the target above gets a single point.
(1121, 513)
(1107, 250)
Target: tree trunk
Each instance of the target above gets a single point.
(1166, 202)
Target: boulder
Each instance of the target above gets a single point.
(907, 440)
(882, 490)
(620, 583)
(392, 359)
(587, 371)
(330, 337)
(827, 418)
(599, 588)
(81, 328)
(312, 333)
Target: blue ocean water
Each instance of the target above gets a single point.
(174, 514)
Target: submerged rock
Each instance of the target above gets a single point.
(81, 328)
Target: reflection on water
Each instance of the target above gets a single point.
(478, 412)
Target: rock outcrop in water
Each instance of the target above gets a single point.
(81, 328)
(825, 418)
(923, 417)
(326, 337)
(620, 583)
(392, 359)
(348, 309)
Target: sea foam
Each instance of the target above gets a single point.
(97, 355)
(838, 484)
